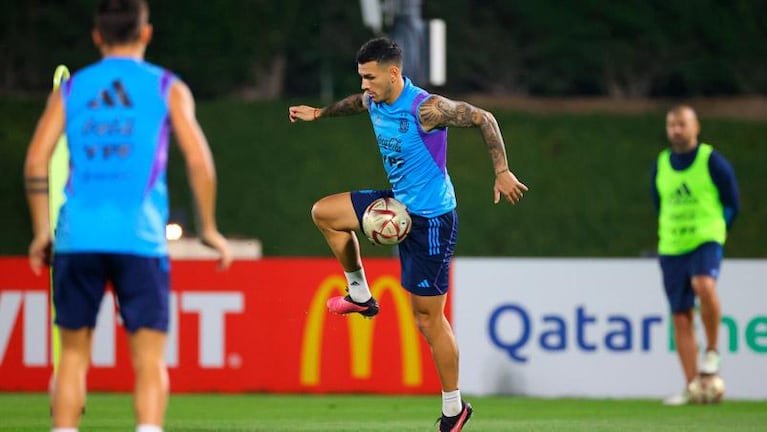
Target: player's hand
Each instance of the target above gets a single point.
(303, 112)
(213, 239)
(507, 185)
(40, 253)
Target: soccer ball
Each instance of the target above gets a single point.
(706, 389)
(386, 222)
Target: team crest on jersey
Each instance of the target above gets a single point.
(403, 125)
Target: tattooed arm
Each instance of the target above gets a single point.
(353, 104)
(437, 111)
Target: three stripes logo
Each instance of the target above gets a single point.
(111, 96)
(683, 194)
(683, 191)
(434, 248)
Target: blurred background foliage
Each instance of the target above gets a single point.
(588, 173)
(264, 49)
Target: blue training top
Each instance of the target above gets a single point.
(117, 128)
(414, 160)
(722, 174)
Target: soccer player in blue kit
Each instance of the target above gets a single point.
(117, 115)
(411, 129)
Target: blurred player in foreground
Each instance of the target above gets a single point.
(696, 195)
(117, 115)
(411, 129)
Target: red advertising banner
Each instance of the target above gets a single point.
(261, 326)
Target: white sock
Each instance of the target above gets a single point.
(451, 403)
(358, 286)
(64, 429)
(148, 428)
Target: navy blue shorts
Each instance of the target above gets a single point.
(141, 284)
(678, 271)
(426, 252)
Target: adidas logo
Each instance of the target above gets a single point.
(355, 283)
(107, 98)
(683, 191)
(424, 284)
(683, 194)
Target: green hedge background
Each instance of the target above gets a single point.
(588, 176)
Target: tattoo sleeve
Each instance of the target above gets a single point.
(353, 104)
(438, 111)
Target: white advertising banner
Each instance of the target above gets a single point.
(596, 328)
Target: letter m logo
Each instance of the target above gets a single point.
(360, 334)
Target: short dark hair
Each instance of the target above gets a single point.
(119, 21)
(380, 50)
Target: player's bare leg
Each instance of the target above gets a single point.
(334, 216)
(434, 326)
(710, 310)
(686, 346)
(710, 315)
(151, 387)
(68, 393)
(429, 312)
(687, 350)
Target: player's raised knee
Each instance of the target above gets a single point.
(319, 214)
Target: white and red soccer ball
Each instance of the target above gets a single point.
(386, 222)
(706, 389)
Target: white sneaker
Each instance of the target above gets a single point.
(710, 363)
(682, 398)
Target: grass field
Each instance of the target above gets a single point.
(258, 412)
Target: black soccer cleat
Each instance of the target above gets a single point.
(457, 422)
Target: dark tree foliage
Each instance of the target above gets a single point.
(265, 49)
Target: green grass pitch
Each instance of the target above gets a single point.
(261, 412)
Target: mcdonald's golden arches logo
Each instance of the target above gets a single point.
(360, 333)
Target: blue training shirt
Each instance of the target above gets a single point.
(415, 160)
(117, 128)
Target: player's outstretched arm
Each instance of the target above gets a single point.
(39, 153)
(438, 111)
(353, 104)
(200, 168)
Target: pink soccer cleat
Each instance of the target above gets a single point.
(345, 305)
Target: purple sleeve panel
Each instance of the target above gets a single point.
(434, 140)
(165, 81)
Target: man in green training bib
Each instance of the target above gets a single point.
(696, 195)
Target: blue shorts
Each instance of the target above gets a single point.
(426, 252)
(140, 283)
(678, 271)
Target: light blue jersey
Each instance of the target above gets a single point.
(117, 127)
(415, 160)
